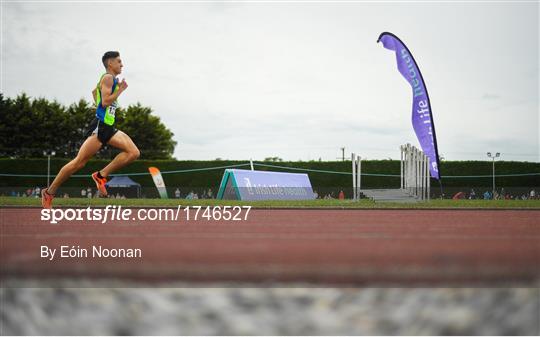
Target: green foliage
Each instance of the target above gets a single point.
(147, 131)
(320, 180)
(274, 159)
(28, 127)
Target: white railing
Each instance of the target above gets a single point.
(415, 172)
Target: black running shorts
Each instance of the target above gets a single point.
(104, 132)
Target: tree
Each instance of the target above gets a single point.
(274, 159)
(18, 127)
(28, 127)
(151, 136)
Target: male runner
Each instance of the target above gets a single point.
(101, 131)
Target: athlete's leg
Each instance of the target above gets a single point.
(89, 148)
(129, 153)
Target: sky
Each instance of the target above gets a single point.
(295, 80)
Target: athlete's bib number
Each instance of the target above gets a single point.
(112, 109)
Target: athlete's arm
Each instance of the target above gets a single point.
(94, 94)
(107, 98)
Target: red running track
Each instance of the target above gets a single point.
(383, 247)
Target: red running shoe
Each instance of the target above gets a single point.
(100, 184)
(46, 199)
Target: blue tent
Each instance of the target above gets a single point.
(124, 184)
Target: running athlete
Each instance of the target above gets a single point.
(100, 132)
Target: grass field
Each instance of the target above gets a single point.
(319, 203)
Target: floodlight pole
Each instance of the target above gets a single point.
(493, 173)
(48, 169)
(49, 154)
(496, 155)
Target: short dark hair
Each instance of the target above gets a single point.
(109, 55)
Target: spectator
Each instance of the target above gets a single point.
(532, 194)
(177, 193)
(37, 192)
(341, 195)
(83, 193)
(473, 194)
(190, 195)
(65, 196)
(89, 192)
(210, 194)
(487, 195)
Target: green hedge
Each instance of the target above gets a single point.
(212, 178)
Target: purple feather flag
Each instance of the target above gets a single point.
(422, 117)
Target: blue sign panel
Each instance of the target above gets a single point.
(264, 185)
